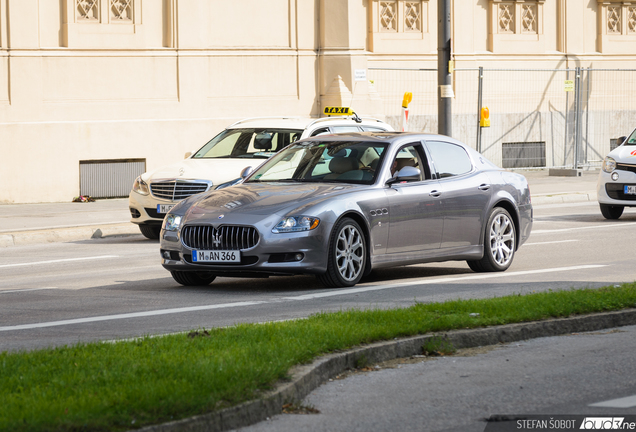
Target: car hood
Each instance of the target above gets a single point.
(215, 170)
(624, 154)
(261, 199)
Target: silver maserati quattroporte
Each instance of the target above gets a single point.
(338, 206)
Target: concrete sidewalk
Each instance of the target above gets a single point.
(52, 222)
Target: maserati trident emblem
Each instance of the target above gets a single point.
(216, 239)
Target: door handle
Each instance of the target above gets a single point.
(483, 187)
(435, 193)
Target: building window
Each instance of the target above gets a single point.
(87, 10)
(413, 16)
(121, 10)
(529, 18)
(388, 16)
(506, 18)
(614, 20)
(631, 19)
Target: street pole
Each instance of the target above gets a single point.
(444, 77)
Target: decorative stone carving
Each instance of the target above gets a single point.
(388, 16)
(121, 10)
(413, 16)
(87, 10)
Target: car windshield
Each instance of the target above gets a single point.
(632, 139)
(328, 161)
(248, 143)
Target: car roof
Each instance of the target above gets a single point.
(388, 136)
(301, 122)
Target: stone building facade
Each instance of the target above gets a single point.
(148, 80)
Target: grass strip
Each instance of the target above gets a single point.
(121, 386)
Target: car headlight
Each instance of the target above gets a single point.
(140, 186)
(296, 224)
(609, 164)
(171, 222)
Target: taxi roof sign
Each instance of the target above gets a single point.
(344, 111)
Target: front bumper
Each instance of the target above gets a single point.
(274, 254)
(143, 209)
(610, 191)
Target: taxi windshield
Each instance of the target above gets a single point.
(631, 140)
(251, 143)
(328, 161)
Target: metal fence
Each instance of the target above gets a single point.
(547, 117)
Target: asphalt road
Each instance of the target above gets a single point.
(110, 288)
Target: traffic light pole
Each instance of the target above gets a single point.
(444, 77)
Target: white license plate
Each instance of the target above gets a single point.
(630, 190)
(164, 208)
(216, 256)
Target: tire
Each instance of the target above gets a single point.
(150, 231)
(347, 257)
(611, 211)
(499, 243)
(201, 278)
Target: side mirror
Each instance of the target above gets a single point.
(246, 172)
(621, 140)
(408, 173)
(187, 155)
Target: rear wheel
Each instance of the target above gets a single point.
(150, 231)
(611, 211)
(499, 243)
(347, 255)
(199, 278)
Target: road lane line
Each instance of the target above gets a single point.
(607, 225)
(129, 315)
(26, 289)
(331, 293)
(549, 242)
(59, 261)
(364, 288)
(626, 402)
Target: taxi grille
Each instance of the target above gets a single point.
(225, 237)
(176, 190)
(626, 167)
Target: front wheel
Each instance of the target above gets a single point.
(198, 278)
(611, 211)
(499, 243)
(347, 255)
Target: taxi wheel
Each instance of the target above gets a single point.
(149, 231)
(611, 212)
(499, 243)
(347, 255)
(193, 278)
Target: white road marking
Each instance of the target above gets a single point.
(550, 242)
(626, 402)
(607, 225)
(59, 261)
(331, 293)
(62, 226)
(27, 289)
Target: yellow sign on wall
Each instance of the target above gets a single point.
(569, 85)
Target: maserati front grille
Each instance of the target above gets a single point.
(227, 237)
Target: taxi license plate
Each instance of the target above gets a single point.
(164, 208)
(216, 256)
(630, 190)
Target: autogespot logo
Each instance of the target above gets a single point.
(606, 423)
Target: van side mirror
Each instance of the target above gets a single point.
(187, 155)
(246, 172)
(621, 140)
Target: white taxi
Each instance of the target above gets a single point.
(246, 143)
(616, 188)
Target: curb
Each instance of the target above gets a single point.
(306, 378)
(20, 238)
(544, 199)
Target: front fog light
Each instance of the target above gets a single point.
(172, 222)
(614, 176)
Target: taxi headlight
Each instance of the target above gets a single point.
(296, 224)
(609, 164)
(140, 186)
(172, 222)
